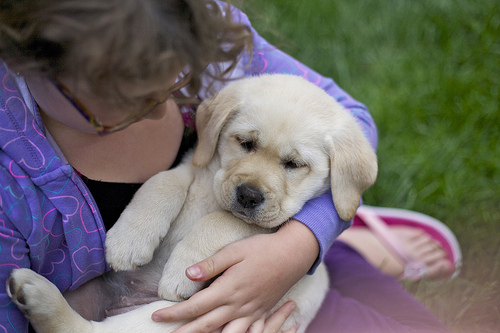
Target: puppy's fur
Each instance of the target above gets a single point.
(266, 146)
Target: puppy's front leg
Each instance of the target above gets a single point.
(48, 311)
(43, 304)
(146, 220)
(207, 237)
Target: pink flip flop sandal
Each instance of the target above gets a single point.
(379, 219)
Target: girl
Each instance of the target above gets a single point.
(97, 96)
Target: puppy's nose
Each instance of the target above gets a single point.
(249, 197)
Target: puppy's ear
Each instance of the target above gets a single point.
(211, 116)
(353, 165)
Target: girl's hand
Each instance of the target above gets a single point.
(256, 273)
(274, 322)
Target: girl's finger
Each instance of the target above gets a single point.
(276, 320)
(213, 265)
(258, 326)
(213, 321)
(240, 325)
(199, 304)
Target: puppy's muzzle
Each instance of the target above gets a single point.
(249, 197)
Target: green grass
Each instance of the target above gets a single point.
(429, 71)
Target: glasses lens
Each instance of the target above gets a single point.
(151, 104)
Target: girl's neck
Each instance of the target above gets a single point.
(132, 155)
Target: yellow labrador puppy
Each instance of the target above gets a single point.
(266, 146)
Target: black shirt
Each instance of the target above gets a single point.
(112, 198)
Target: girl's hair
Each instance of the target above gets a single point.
(106, 42)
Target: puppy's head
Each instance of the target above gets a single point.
(280, 141)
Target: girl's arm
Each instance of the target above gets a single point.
(256, 273)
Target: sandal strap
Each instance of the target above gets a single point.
(414, 268)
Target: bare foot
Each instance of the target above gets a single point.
(416, 242)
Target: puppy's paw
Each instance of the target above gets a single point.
(175, 286)
(126, 249)
(43, 304)
(34, 295)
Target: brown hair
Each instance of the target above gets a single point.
(109, 41)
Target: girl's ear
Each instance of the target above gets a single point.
(211, 116)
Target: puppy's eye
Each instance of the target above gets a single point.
(247, 144)
(293, 164)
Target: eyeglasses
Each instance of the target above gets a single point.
(99, 127)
